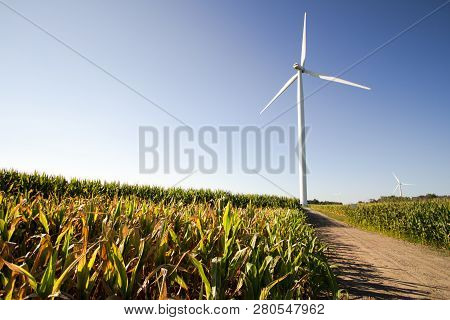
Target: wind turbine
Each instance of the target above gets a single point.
(399, 185)
(300, 70)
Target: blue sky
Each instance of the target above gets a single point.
(218, 63)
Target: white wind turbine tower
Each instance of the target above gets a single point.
(399, 185)
(300, 70)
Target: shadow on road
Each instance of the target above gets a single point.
(359, 278)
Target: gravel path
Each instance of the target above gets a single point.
(371, 265)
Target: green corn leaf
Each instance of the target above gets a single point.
(226, 221)
(178, 279)
(48, 279)
(15, 268)
(58, 283)
(44, 222)
(265, 291)
(201, 271)
(119, 265)
(10, 287)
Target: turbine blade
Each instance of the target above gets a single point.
(331, 78)
(407, 184)
(303, 54)
(290, 81)
(398, 181)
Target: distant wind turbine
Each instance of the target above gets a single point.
(300, 69)
(399, 185)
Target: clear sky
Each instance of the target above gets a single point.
(218, 63)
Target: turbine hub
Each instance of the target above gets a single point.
(296, 66)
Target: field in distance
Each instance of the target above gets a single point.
(421, 220)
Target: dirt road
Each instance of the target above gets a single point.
(376, 266)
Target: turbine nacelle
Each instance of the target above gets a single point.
(298, 67)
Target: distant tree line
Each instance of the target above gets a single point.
(428, 196)
(315, 201)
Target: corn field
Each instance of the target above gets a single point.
(55, 244)
(424, 221)
(14, 182)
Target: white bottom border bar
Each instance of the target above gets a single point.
(231, 310)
